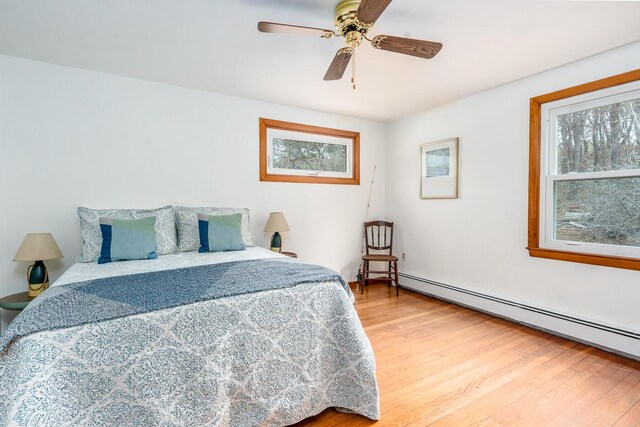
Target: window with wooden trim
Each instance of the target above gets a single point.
(584, 187)
(293, 152)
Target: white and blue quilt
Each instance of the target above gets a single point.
(188, 339)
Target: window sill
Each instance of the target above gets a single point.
(594, 259)
(308, 179)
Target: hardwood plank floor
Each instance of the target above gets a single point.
(444, 365)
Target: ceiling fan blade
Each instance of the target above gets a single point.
(339, 64)
(413, 47)
(273, 27)
(370, 10)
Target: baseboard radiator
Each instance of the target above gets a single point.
(606, 337)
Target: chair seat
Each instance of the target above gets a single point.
(387, 258)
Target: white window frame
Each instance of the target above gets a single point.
(548, 168)
(302, 136)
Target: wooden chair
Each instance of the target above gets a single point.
(378, 236)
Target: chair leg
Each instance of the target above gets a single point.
(364, 275)
(395, 264)
(389, 275)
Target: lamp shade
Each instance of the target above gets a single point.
(276, 223)
(38, 247)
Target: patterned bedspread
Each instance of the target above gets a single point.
(264, 358)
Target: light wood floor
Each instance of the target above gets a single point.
(443, 365)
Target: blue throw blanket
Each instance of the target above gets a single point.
(107, 298)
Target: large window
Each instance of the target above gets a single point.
(584, 189)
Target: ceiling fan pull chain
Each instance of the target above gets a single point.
(353, 70)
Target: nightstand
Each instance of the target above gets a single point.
(15, 301)
(290, 254)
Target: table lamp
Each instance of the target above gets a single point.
(276, 223)
(37, 247)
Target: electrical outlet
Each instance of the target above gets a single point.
(404, 256)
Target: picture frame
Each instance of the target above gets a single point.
(294, 152)
(439, 169)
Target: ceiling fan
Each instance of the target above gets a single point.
(353, 20)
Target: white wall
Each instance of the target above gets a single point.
(477, 241)
(72, 138)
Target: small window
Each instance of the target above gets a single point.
(585, 173)
(305, 155)
(300, 153)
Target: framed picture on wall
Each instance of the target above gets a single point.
(439, 169)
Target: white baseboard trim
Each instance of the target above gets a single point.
(611, 339)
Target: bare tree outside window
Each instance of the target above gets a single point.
(605, 211)
(308, 155)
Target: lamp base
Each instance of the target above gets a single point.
(276, 243)
(37, 279)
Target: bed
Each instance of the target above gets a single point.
(260, 352)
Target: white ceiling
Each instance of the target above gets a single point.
(213, 45)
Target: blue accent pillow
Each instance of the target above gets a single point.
(128, 239)
(220, 233)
